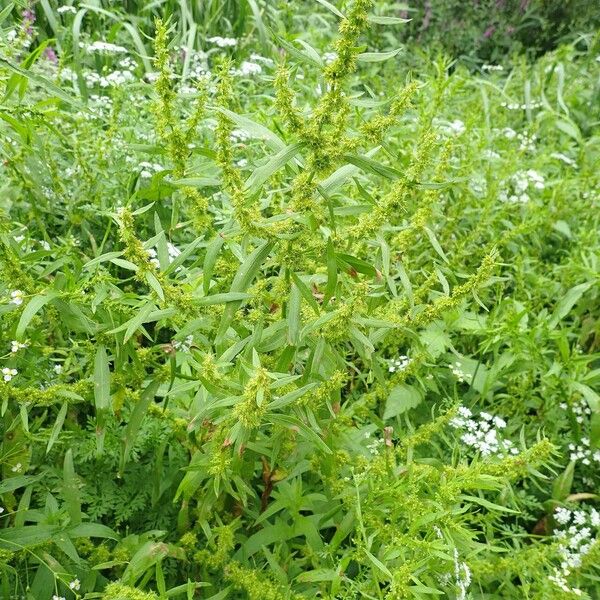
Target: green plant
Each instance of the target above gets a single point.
(272, 332)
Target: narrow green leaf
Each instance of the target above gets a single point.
(293, 315)
(135, 421)
(101, 380)
(33, 306)
(154, 284)
(261, 174)
(70, 489)
(370, 57)
(57, 427)
(43, 82)
(387, 20)
(332, 8)
(222, 298)
(242, 280)
(331, 272)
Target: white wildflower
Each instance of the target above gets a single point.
(239, 135)
(8, 373)
(249, 68)
(490, 154)
(16, 297)
(462, 577)
(574, 542)
(148, 169)
(399, 364)
(66, 9)
(75, 584)
(152, 255)
(185, 345)
(107, 47)
(222, 42)
(58, 368)
(457, 371)
(16, 346)
(258, 58)
(483, 435)
(173, 251)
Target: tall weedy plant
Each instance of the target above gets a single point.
(245, 378)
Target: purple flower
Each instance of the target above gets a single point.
(489, 32)
(28, 17)
(50, 54)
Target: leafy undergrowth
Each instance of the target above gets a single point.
(298, 324)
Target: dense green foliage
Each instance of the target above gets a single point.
(294, 319)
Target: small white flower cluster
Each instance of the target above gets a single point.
(16, 346)
(17, 468)
(519, 184)
(75, 585)
(263, 59)
(451, 128)
(57, 368)
(239, 135)
(490, 154)
(104, 48)
(198, 67)
(527, 142)
(112, 79)
(128, 63)
(185, 345)
(43, 243)
(583, 452)
(172, 251)
(483, 435)
(399, 364)
(462, 577)
(579, 408)
(222, 42)
(575, 542)
(478, 185)
(16, 297)
(55, 597)
(153, 256)
(457, 371)
(492, 68)
(566, 159)
(329, 57)
(517, 106)
(375, 445)
(248, 68)
(8, 373)
(148, 169)
(66, 9)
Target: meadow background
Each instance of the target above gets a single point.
(299, 299)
